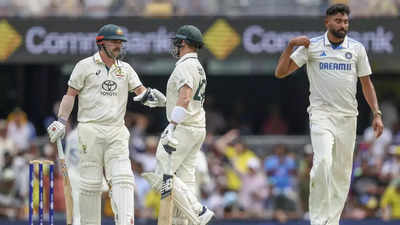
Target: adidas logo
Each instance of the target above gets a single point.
(323, 54)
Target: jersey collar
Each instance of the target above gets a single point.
(97, 59)
(345, 43)
(186, 56)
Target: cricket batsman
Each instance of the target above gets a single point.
(334, 63)
(102, 83)
(186, 129)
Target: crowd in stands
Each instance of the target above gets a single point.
(233, 179)
(104, 8)
(279, 177)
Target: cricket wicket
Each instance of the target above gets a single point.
(40, 164)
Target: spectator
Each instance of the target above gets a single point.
(142, 188)
(332, 2)
(281, 171)
(6, 144)
(274, 124)
(254, 193)
(71, 8)
(152, 202)
(53, 115)
(97, 8)
(237, 154)
(218, 183)
(366, 188)
(197, 7)
(128, 7)
(368, 8)
(240, 117)
(389, 109)
(232, 209)
(215, 121)
(391, 167)
(305, 166)
(32, 8)
(377, 146)
(235, 150)
(159, 8)
(215, 200)
(6, 8)
(10, 202)
(390, 202)
(20, 130)
(148, 158)
(137, 124)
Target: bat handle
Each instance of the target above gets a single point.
(170, 163)
(60, 149)
(169, 151)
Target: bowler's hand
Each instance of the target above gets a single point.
(56, 130)
(300, 41)
(377, 125)
(167, 137)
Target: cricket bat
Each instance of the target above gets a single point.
(67, 185)
(166, 202)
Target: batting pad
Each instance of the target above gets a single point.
(122, 197)
(180, 196)
(90, 207)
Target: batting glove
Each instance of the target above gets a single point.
(167, 137)
(151, 98)
(56, 130)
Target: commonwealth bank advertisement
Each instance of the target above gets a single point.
(242, 46)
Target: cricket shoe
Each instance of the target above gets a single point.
(205, 216)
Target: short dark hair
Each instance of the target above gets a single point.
(338, 8)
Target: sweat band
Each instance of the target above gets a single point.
(178, 114)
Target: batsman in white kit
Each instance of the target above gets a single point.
(334, 64)
(186, 130)
(102, 83)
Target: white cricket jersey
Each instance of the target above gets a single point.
(333, 73)
(188, 71)
(103, 93)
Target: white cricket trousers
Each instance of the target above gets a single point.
(333, 138)
(105, 147)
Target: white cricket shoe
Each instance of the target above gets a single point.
(205, 216)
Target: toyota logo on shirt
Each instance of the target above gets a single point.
(109, 85)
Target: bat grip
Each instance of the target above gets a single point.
(170, 163)
(60, 149)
